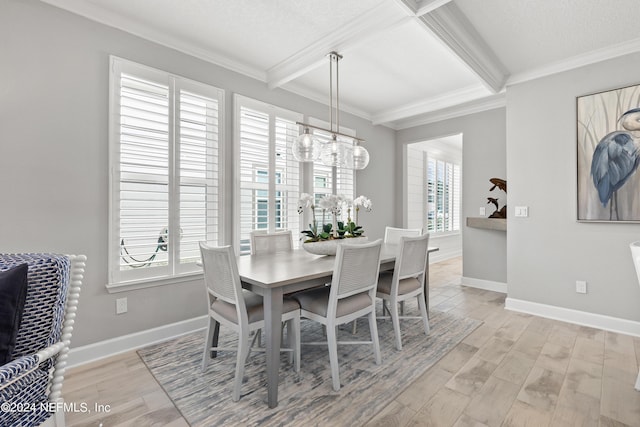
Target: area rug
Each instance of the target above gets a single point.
(305, 398)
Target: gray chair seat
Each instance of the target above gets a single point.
(404, 285)
(317, 301)
(255, 307)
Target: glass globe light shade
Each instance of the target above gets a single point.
(360, 157)
(305, 148)
(334, 153)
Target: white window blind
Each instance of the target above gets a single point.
(269, 176)
(165, 132)
(443, 196)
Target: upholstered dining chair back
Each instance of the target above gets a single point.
(392, 234)
(263, 242)
(412, 256)
(221, 274)
(356, 269)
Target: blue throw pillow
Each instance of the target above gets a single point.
(13, 293)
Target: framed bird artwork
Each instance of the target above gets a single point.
(608, 154)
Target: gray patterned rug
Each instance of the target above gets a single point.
(305, 398)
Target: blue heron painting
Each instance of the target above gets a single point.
(609, 155)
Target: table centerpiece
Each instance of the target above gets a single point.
(324, 238)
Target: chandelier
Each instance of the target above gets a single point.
(341, 150)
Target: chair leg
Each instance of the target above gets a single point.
(333, 356)
(402, 308)
(395, 318)
(206, 354)
(243, 351)
(354, 328)
(374, 336)
(296, 343)
(423, 312)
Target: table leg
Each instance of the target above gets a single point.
(272, 322)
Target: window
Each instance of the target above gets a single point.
(268, 189)
(443, 196)
(164, 136)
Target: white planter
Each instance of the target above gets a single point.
(330, 247)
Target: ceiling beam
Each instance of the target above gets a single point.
(454, 29)
(382, 18)
(432, 104)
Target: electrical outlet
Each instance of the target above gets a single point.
(121, 305)
(483, 211)
(521, 211)
(581, 286)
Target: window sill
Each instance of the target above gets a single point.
(114, 288)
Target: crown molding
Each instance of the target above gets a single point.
(90, 11)
(421, 7)
(451, 26)
(440, 102)
(379, 19)
(595, 56)
(487, 103)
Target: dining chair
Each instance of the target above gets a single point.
(239, 310)
(406, 281)
(264, 242)
(392, 234)
(350, 296)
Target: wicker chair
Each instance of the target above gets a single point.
(33, 378)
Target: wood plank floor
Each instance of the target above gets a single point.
(514, 370)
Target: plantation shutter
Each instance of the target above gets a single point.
(143, 185)
(164, 163)
(198, 174)
(443, 195)
(269, 177)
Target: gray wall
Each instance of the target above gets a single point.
(549, 251)
(483, 157)
(54, 153)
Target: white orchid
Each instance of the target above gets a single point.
(331, 203)
(306, 201)
(362, 201)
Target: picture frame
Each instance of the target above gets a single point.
(608, 155)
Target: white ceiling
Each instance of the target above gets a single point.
(405, 62)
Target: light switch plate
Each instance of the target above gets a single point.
(483, 211)
(522, 211)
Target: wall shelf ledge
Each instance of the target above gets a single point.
(499, 224)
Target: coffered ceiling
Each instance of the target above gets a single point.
(406, 62)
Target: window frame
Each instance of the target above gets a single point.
(176, 271)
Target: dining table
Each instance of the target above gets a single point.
(275, 274)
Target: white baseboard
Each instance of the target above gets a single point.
(583, 318)
(442, 255)
(488, 285)
(113, 346)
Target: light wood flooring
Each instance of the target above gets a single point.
(514, 370)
